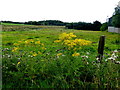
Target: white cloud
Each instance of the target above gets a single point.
(65, 10)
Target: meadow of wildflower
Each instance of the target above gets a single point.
(56, 57)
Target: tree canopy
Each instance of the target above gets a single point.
(116, 17)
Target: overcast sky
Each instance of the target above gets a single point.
(64, 10)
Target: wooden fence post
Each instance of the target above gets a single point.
(101, 47)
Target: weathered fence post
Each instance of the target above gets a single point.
(101, 47)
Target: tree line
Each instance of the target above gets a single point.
(95, 26)
(74, 25)
(44, 22)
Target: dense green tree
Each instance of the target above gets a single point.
(97, 25)
(104, 26)
(116, 20)
(80, 26)
(116, 17)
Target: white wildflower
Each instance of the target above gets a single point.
(115, 51)
(113, 55)
(111, 58)
(106, 60)
(63, 55)
(18, 58)
(97, 58)
(84, 56)
(9, 56)
(30, 56)
(117, 62)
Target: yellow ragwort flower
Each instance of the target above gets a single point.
(16, 44)
(42, 44)
(43, 48)
(75, 49)
(59, 54)
(39, 52)
(37, 42)
(14, 49)
(26, 42)
(69, 43)
(72, 35)
(19, 41)
(34, 54)
(82, 42)
(18, 63)
(56, 41)
(65, 36)
(29, 41)
(75, 54)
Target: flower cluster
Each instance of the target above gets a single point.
(68, 40)
(65, 36)
(72, 43)
(76, 42)
(15, 49)
(27, 44)
(114, 57)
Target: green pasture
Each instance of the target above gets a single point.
(53, 65)
(49, 34)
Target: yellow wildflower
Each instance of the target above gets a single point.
(18, 63)
(39, 52)
(34, 54)
(75, 54)
(16, 44)
(72, 35)
(14, 49)
(20, 41)
(59, 54)
(43, 48)
(29, 41)
(82, 42)
(42, 44)
(75, 49)
(56, 41)
(26, 41)
(69, 43)
(37, 42)
(65, 36)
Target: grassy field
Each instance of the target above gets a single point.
(56, 57)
